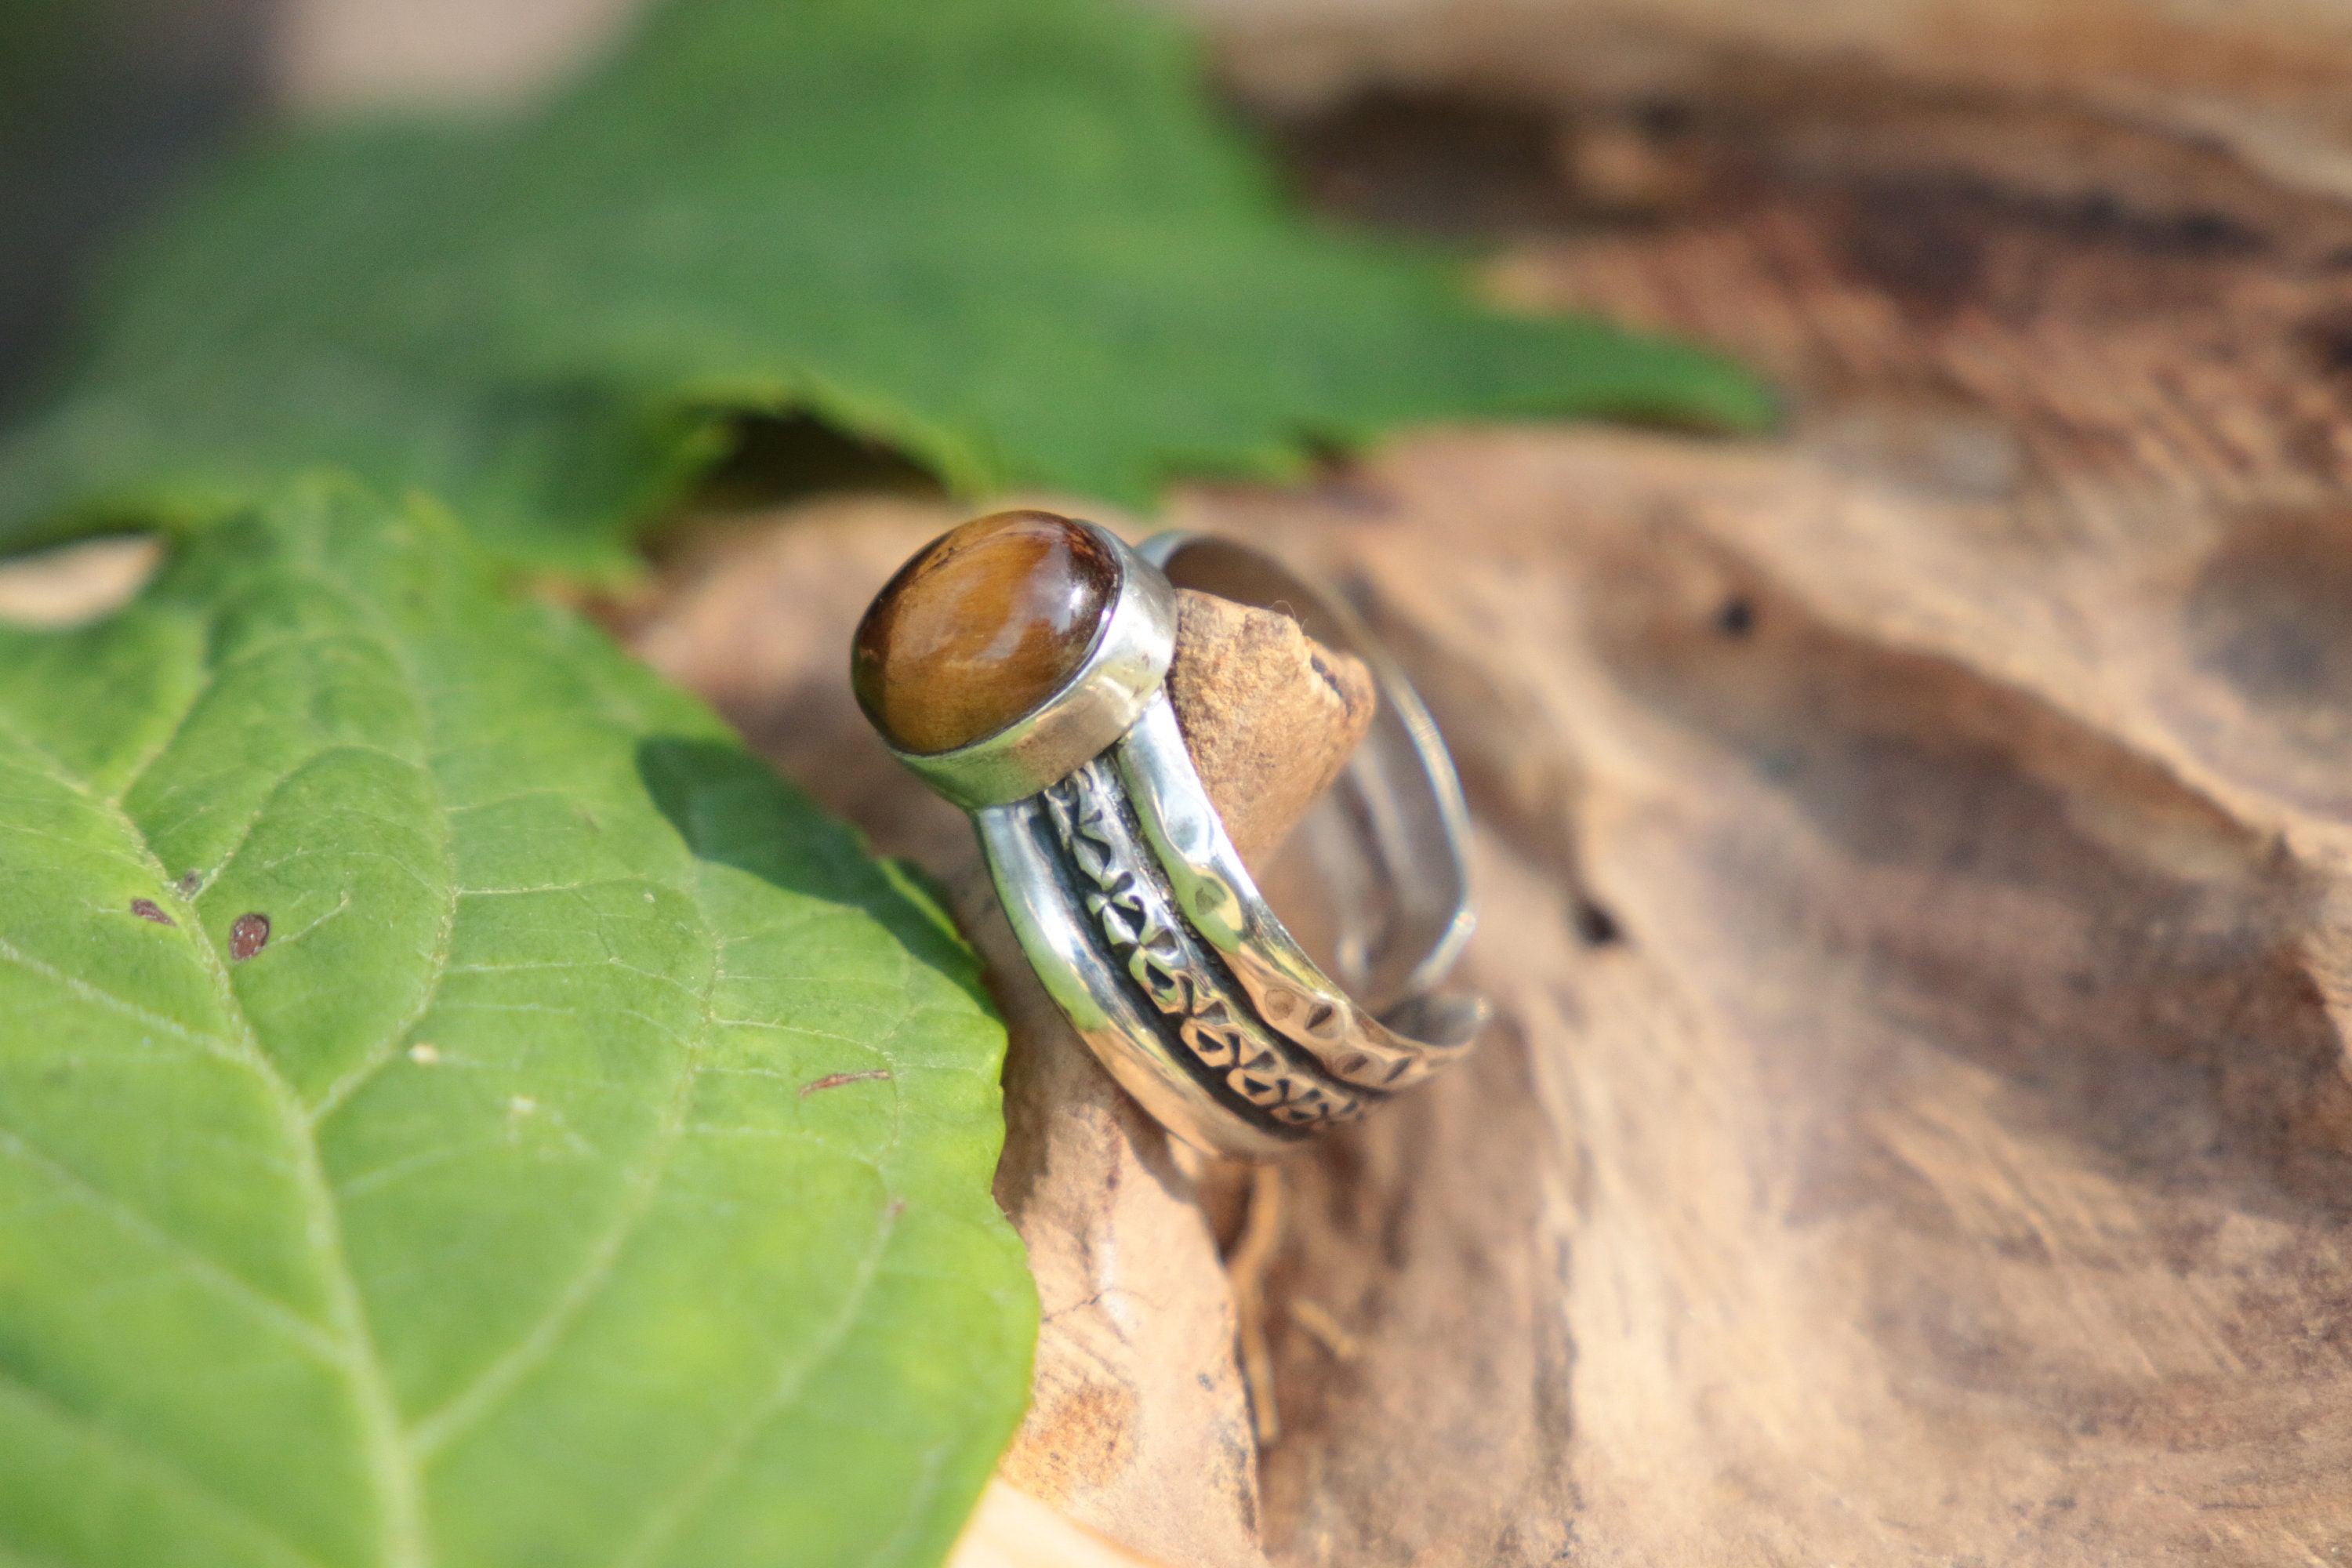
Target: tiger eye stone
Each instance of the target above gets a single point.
(983, 625)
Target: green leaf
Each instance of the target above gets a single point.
(591, 1167)
(1009, 237)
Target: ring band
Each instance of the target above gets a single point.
(1129, 898)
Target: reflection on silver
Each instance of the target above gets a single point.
(1221, 899)
(1394, 828)
(1148, 931)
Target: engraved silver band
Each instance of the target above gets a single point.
(1096, 916)
(1141, 922)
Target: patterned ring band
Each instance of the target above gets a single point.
(1017, 664)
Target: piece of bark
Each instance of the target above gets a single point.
(1139, 1425)
(1269, 715)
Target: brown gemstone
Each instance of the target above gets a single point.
(984, 623)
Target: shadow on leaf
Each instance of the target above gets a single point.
(732, 810)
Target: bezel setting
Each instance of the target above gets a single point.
(1134, 644)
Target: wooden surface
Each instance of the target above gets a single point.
(1913, 853)
(1270, 715)
(1012, 1530)
(2263, 78)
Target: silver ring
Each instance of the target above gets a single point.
(1138, 914)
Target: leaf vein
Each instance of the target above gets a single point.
(496, 1382)
(277, 1315)
(159, 1467)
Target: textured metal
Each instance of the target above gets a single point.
(1122, 889)
(1221, 899)
(1127, 1034)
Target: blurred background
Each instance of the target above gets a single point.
(102, 102)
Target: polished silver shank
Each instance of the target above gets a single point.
(1393, 831)
(1124, 1031)
(1122, 672)
(1221, 901)
(1105, 943)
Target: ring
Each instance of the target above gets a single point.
(1017, 665)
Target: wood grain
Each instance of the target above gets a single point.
(2263, 78)
(1914, 856)
(1951, 1133)
(1943, 1154)
(1270, 716)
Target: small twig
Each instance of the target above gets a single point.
(1317, 1320)
(1253, 1254)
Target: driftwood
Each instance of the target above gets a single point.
(1913, 854)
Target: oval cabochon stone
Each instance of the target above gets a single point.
(984, 623)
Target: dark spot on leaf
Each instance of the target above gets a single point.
(1738, 616)
(148, 910)
(248, 936)
(1596, 925)
(189, 882)
(835, 1079)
